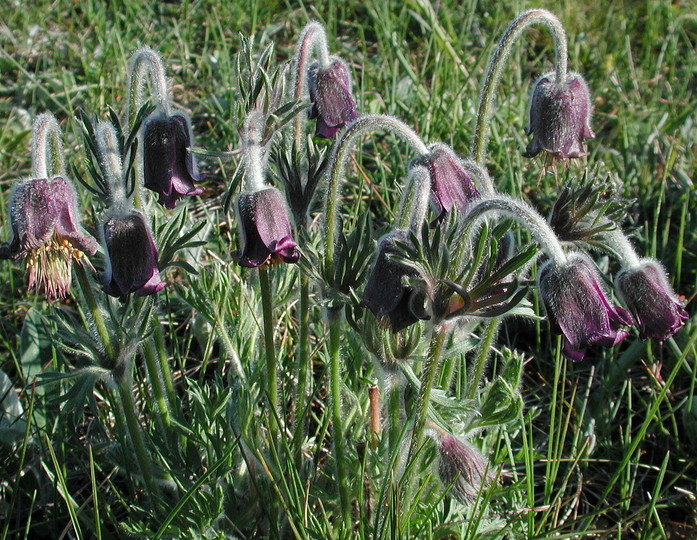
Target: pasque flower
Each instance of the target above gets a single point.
(578, 307)
(452, 180)
(461, 465)
(394, 302)
(333, 104)
(131, 256)
(45, 227)
(559, 117)
(169, 168)
(645, 290)
(265, 232)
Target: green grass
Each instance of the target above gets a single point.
(604, 447)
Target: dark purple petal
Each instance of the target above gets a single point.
(265, 232)
(578, 308)
(645, 291)
(559, 117)
(168, 166)
(451, 184)
(32, 215)
(333, 103)
(64, 201)
(131, 256)
(386, 295)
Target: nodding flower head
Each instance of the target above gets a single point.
(578, 307)
(461, 465)
(46, 229)
(559, 117)
(645, 291)
(333, 104)
(131, 256)
(394, 302)
(452, 180)
(265, 232)
(169, 168)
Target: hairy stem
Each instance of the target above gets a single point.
(47, 148)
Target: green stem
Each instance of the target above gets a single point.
(47, 148)
(428, 378)
(334, 321)
(163, 359)
(395, 409)
(271, 368)
(342, 147)
(151, 364)
(95, 311)
(483, 351)
(124, 388)
(495, 68)
(303, 360)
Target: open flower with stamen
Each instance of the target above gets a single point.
(578, 307)
(333, 104)
(645, 290)
(559, 117)
(131, 256)
(169, 168)
(46, 230)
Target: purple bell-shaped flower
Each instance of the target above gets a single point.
(131, 256)
(169, 168)
(333, 104)
(578, 307)
(645, 290)
(559, 117)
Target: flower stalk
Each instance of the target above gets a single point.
(495, 69)
(47, 148)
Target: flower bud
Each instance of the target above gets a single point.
(462, 466)
(578, 307)
(645, 291)
(559, 117)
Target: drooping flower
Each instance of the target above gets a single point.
(452, 180)
(46, 229)
(395, 303)
(265, 232)
(169, 168)
(461, 465)
(131, 256)
(645, 291)
(559, 117)
(333, 104)
(578, 307)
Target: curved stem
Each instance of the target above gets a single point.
(413, 207)
(520, 211)
(47, 148)
(312, 38)
(145, 62)
(342, 148)
(621, 245)
(95, 311)
(497, 61)
(253, 158)
(334, 321)
(110, 160)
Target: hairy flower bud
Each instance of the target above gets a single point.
(265, 233)
(46, 229)
(333, 104)
(578, 307)
(461, 465)
(131, 257)
(645, 291)
(559, 117)
(169, 168)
